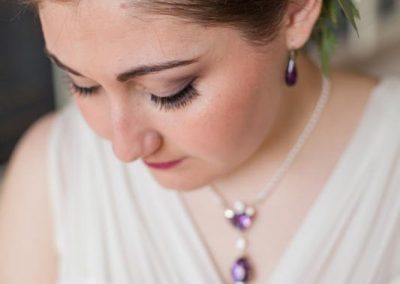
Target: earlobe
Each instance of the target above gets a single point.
(301, 17)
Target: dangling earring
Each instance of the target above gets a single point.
(291, 71)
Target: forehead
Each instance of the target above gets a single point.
(108, 32)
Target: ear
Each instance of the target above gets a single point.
(301, 16)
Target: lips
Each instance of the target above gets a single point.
(164, 165)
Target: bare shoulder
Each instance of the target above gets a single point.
(353, 85)
(351, 92)
(27, 250)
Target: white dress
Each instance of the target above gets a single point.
(114, 224)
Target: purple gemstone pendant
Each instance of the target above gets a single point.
(291, 72)
(241, 216)
(241, 270)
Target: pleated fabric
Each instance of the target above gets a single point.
(113, 224)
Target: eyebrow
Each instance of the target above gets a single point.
(130, 74)
(60, 64)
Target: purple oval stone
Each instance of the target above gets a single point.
(241, 221)
(241, 270)
(291, 73)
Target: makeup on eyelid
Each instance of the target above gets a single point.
(175, 101)
(179, 100)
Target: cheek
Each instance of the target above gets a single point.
(240, 128)
(244, 97)
(234, 123)
(95, 112)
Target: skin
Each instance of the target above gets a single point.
(231, 121)
(234, 135)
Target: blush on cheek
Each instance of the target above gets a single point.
(237, 124)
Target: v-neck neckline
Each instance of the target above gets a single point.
(316, 204)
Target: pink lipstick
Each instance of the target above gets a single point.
(164, 165)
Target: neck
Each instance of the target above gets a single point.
(297, 104)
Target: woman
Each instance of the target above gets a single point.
(137, 181)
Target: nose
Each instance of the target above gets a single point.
(133, 138)
(131, 144)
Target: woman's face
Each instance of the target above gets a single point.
(216, 127)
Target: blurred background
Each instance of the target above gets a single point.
(30, 86)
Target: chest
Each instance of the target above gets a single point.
(279, 217)
(275, 225)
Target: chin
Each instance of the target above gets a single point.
(181, 184)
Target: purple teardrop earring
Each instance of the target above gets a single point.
(291, 71)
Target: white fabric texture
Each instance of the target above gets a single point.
(115, 225)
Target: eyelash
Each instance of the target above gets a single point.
(174, 102)
(178, 100)
(83, 91)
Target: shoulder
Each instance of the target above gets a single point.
(355, 94)
(353, 88)
(35, 140)
(26, 243)
(29, 153)
(359, 87)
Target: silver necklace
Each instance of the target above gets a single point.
(242, 215)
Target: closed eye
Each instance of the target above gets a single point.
(177, 100)
(173, 102)
(83, 91)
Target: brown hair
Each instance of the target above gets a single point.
(257, 20)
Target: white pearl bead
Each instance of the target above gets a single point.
(241, 244)
(239, 206)
(229, 213)
(250, 211)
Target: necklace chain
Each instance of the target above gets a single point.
(293, 153)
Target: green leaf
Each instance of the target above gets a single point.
(324, 32)
(333, 12)
(328, 42)
(355, 11)
(350, 12)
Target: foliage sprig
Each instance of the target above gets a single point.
(325, 30)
